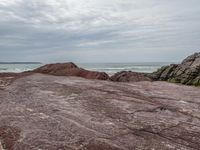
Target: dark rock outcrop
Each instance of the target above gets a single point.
(70, 69)
(129, 76)
(188, 72)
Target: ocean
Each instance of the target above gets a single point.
(109, 68)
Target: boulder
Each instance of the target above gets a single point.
(129, 76)
(70, 69)
(188, 72)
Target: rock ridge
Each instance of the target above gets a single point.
(70, 69)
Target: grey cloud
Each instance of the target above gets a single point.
(98, 30)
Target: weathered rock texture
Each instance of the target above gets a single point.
(7, 78)
(129, 76)
(70, 69)
(188, 72)
(69, 113)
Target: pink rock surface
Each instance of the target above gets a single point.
(70, 113)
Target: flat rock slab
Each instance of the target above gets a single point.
(43, 112)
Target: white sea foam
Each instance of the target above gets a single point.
(109, 68)
(17, 67)
(112, 68)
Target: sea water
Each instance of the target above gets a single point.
(18, 67)
(110, 68)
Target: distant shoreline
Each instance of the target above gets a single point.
(20, 63)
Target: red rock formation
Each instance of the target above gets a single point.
(129, 76)
(70, 69)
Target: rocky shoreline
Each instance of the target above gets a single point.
(62, 106)
(188, 73)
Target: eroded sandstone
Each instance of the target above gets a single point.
(70, 69)
(49, 112)
(129, 76)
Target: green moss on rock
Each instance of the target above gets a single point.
(196, 82)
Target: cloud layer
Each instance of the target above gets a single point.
(98, 30)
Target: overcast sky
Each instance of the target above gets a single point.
(99, 30)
